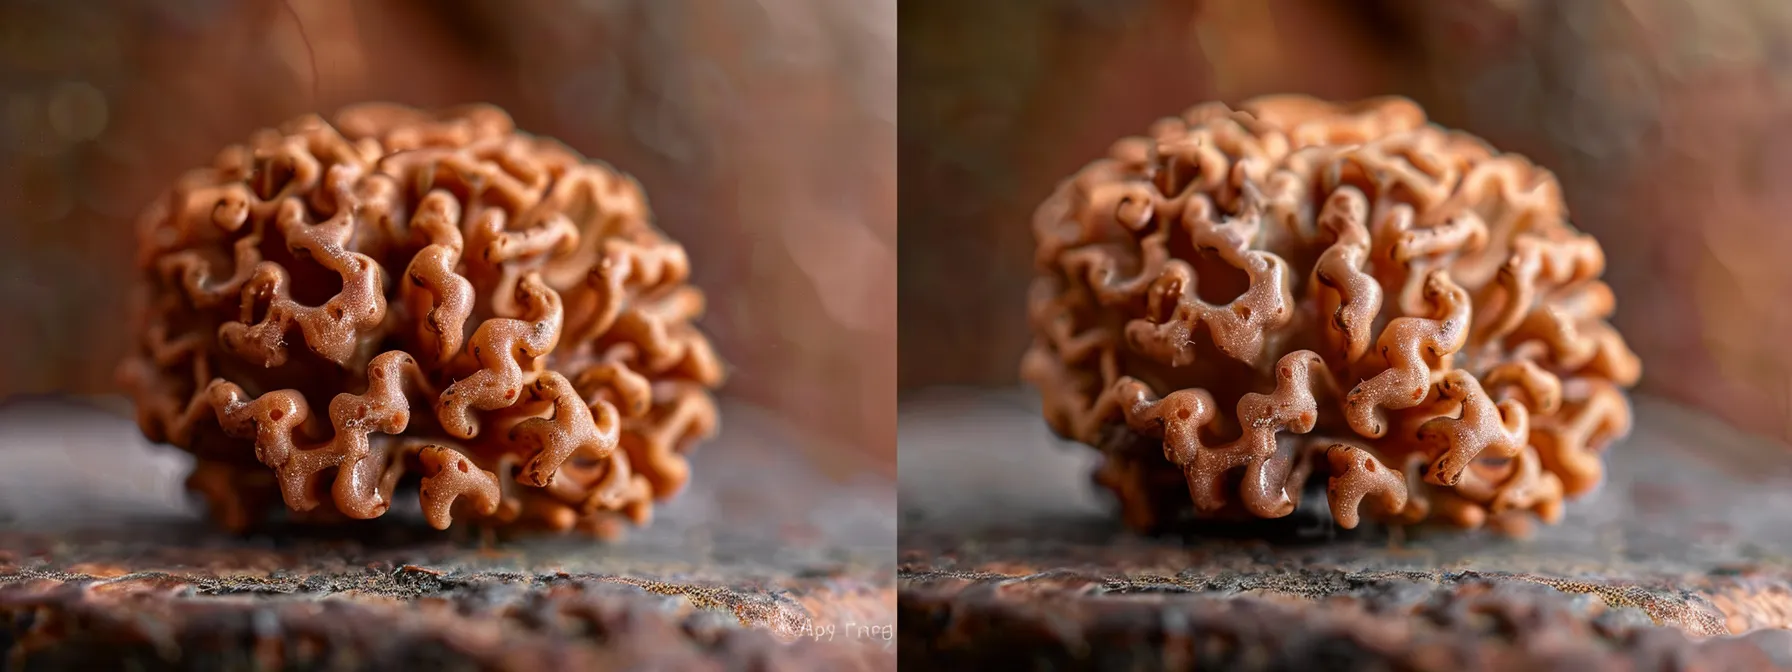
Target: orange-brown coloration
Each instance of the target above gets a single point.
(473, 304)
(1298, 287)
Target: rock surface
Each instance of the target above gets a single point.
(103, 564)
(1682, 557)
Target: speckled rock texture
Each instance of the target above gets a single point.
(1679, 560)
(112, 569)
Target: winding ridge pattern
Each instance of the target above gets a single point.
(1297, 287)
(471, 304)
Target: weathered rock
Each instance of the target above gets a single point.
(102, 565)
(1679, 558)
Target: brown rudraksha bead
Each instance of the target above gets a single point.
(332, 307)
(1250, 298)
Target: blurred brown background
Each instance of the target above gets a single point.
(1669, 123)
(763, 131)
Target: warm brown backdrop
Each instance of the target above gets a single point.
(1668, 121)
(763, 130)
